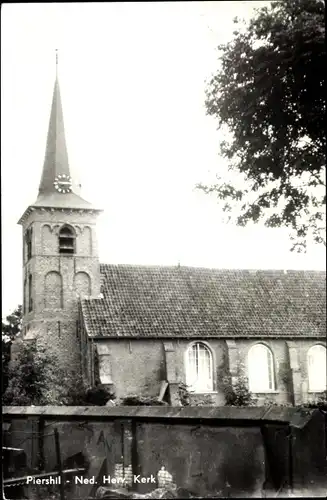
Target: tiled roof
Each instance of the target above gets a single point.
(150, 301)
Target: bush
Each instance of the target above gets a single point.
(269, 402)
(35, 378)
(98, 395)
(142, 401)
(239, 395)
(321, 403)
(203, 400)
(188, 399)
(183, 394)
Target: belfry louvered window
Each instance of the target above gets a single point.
(199, 368)
(66, 240)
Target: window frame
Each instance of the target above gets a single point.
(316, 389)
(271, 368)
(194, 389)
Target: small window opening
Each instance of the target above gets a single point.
(24, 296)
(30, 300)
(28, 239)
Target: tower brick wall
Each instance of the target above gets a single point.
(58, 280)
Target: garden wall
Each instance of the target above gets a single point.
(223, 451)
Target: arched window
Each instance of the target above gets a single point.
(66, 240)
(199, 368)
(317, 368)
(82, 284)
(53, 292)
(261, 369)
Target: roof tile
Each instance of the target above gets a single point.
(151, 301)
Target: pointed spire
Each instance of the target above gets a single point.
(56, 157)
(56, 171)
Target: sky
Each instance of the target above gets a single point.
(132, 79)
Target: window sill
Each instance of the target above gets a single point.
(202, 393)
(320, 391)
(264, 392)
(56, 309)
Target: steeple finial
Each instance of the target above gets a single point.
(56, 62)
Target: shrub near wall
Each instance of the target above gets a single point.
(35, 378)
(239, 393)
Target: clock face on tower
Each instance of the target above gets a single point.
(63, 183)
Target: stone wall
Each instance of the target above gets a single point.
(138, 366)
(228, 452)
(132, 366)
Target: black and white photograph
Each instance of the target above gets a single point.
(163, 170)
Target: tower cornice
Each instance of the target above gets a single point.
(64, 210)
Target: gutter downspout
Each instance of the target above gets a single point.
(92, 362)
(290, 458)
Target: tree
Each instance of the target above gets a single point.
(13, 324)
(269, 99)
(34, 377)
(10, 329)
(239, 394)
(37, 378)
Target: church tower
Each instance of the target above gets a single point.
(60, 255)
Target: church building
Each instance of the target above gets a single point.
(144, 330)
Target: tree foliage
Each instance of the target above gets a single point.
(13, 323)
(187, 398)
(98, 395)
(320, 403)
(239, 394)
(10, 328)
(136, 400)
(269, 99)
(34, 377)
